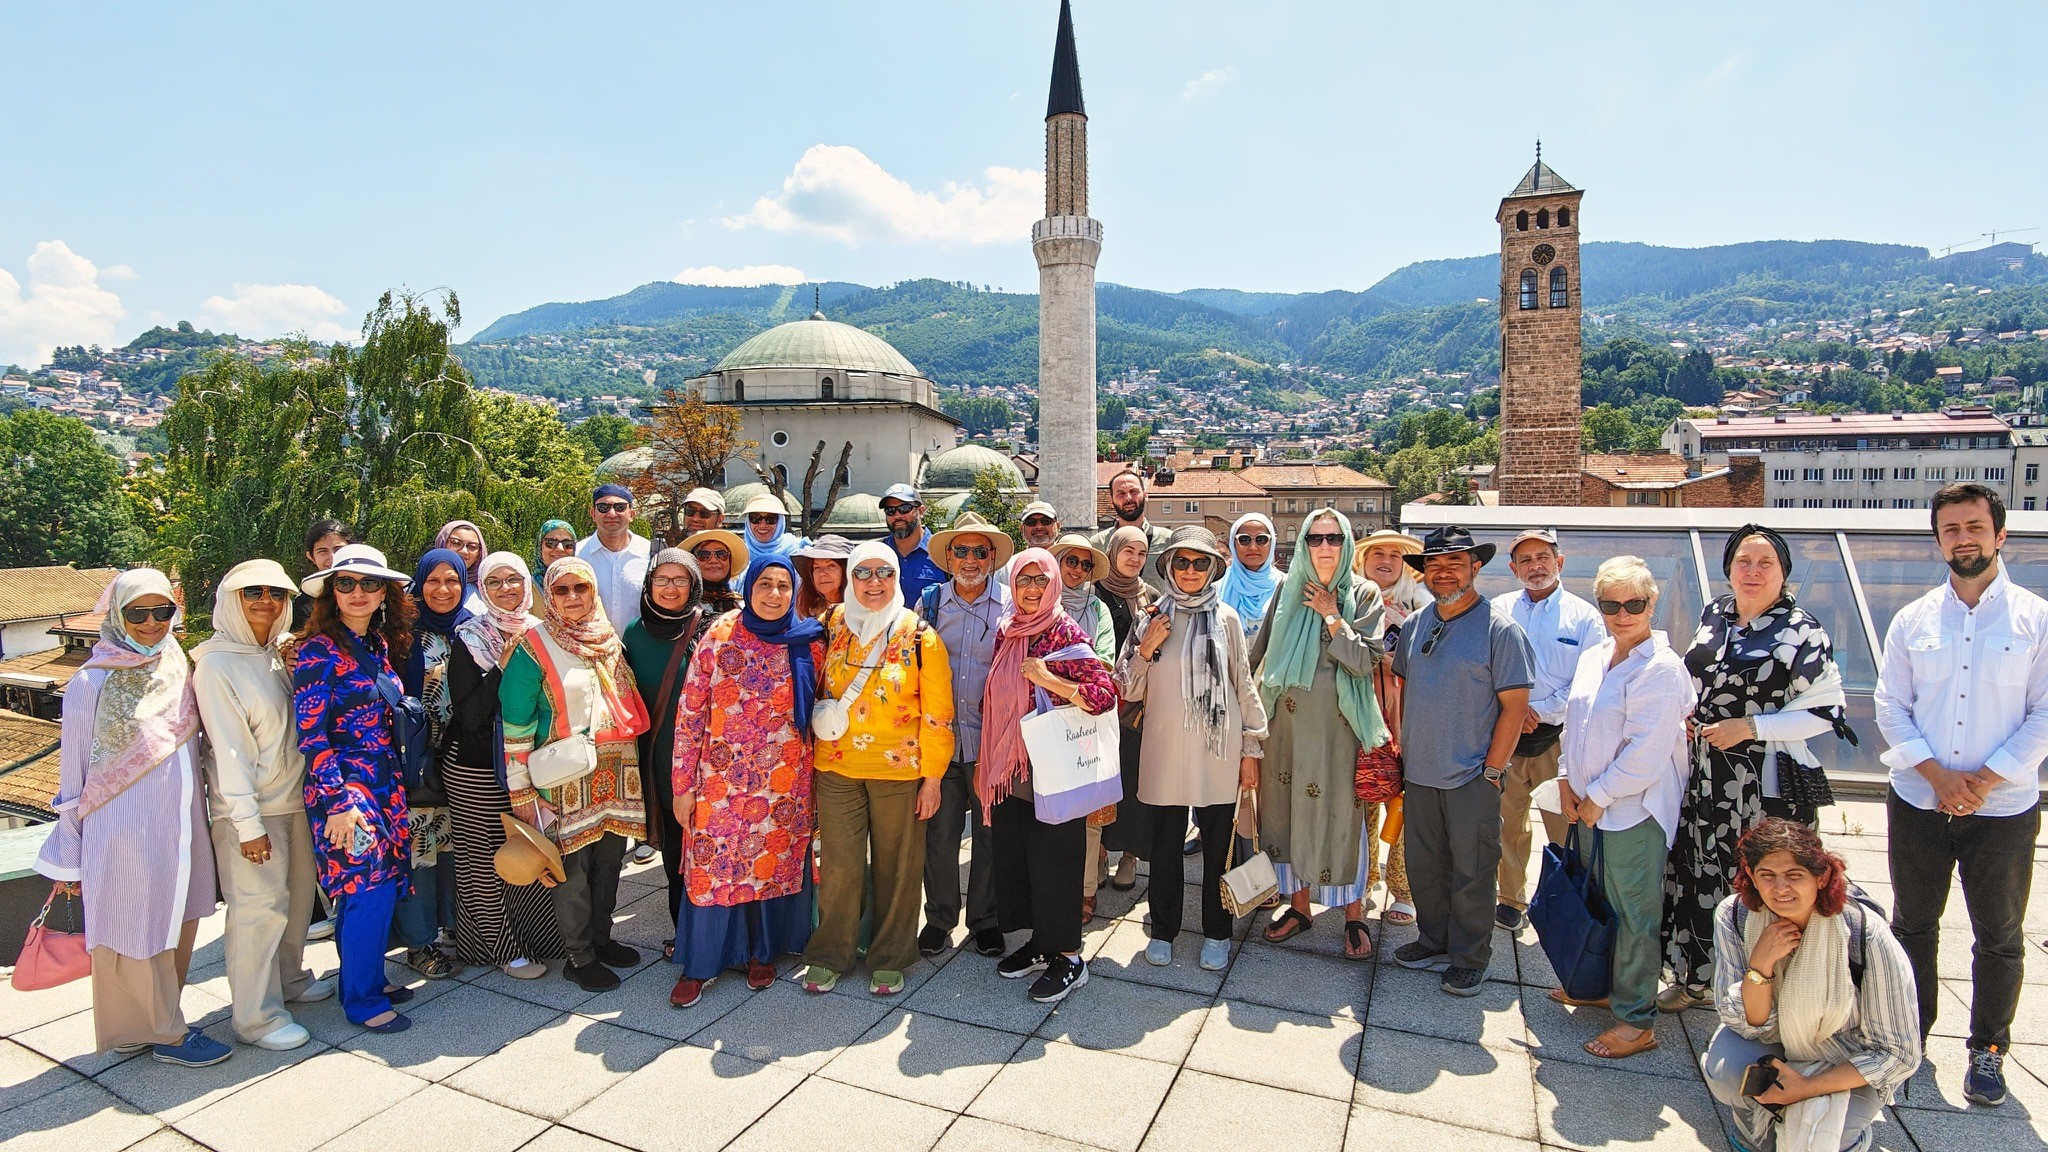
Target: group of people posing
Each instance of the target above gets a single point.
(456, 760)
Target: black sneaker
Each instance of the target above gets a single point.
(931, 941)
(1421, 957)
(1062, 975)
(1463, 981)
(1510, 917)
(1984, 1083)
(613, 954)
(989, 942)
(591, 977)
(1023, 962)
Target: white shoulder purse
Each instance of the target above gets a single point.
(569, 759)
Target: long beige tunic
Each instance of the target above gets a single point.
(1175, 766)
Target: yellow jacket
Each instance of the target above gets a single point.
(901, 726)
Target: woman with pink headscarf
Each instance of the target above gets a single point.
(1039, 867)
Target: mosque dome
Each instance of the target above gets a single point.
(627, 465)
(817, 343)
(954, 470)
(857, 516)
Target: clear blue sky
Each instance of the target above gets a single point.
(266, 166)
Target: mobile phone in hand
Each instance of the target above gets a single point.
(1760, 1078)
(360, 843)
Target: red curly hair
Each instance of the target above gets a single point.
(1775, 834)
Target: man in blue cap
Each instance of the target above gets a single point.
(904, 512)
(616, 553)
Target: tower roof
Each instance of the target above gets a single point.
(1066, 70)
(1540, 180)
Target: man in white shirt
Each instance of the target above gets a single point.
(1962, 701)
(617, 553)
(1561, 627)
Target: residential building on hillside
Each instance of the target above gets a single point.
(1211, 497)
(1664, 480)
(2029, 461)
(1893, 461)
(1297, 489)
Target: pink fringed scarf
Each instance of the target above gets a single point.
(1006, 695)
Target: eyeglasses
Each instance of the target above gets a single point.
(1033, 580)
(251, 595)
(670, 582)
(161, 613)
(899, 509)
(1198, 563)
(1038, 521)
(874, 572)
(709, 553)
(1322, 539)
(1078, 562)
(566, 590)
(557, 545)
(1634, 607)
(612, 508)
(978, 551)
(762, 517)
(1429, 644)
(501, 583)
(347, 584)
(1247, 540)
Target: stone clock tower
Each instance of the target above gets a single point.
(1539, 340)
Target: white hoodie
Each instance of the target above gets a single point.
(245, 705)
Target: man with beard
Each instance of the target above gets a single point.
(1470, 662)
(1962, 700)
(703, 510)
(1560, 627)
(904, 512)
(1041, 522)
(1127, 498)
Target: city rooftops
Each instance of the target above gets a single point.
(1975, 422)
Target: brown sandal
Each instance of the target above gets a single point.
(1609, 1046)
(1285, 926)
(1557, 996)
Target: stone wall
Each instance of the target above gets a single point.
(1066, 248)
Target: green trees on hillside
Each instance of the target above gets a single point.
(60, 495)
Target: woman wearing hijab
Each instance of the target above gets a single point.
(570, 676)
(256, 796)
(884, 729)
(658, 646)
(767, 528)
(1315, 656)
(1253, 577)
(466, 540)
(741, 782)
(130, 837)
(509, 925)
(1038, 866)
(1764, 671)
(1124, 592)
(557, 539)
(440, 585)
(1205, 734)
(1080, 564)
(348, 734)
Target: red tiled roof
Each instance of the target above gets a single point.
(1271, 476)
(1206, 482)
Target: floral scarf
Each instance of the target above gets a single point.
(1006, 695)
(490, 632)
(144, 710)
(591, 639)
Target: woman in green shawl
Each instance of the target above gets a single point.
(1315, 655)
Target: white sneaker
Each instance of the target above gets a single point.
(524, 969)
(284, 1039)
(318, 990)
(321, 929)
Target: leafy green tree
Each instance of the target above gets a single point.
(1692, 379)
(1132, 444)
(60, 496)
(988, 500)
(1606, 429)
(607, 434)
(1113, 415)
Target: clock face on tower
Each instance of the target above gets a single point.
(1543, 254)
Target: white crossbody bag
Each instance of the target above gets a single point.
(572, 757)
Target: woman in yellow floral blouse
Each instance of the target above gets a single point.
(884, 728)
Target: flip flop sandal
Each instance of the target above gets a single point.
(1355, 931)
(1618, 1049)
(816, 979)
(1285, 926)
(1399, 912)
(1557, 996)
(885, 983)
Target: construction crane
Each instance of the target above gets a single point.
(1995, 233)
(1948, 248)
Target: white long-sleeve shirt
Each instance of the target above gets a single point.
(1561, 628)
(619, 576)
(1967, 688)
(1624, 742)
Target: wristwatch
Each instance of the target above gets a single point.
(1332, 620)
(1755, 977)
(1493, 775)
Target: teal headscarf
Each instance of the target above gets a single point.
(540, 566)
(1296, 645)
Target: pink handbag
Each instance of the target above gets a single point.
(51, 956)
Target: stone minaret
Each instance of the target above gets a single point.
(1066, 244)
(1539, 340)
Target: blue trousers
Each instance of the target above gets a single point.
(362, 927)
(429, 906)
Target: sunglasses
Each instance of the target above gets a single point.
(501, 583)
(1033, 580)
(874, 572)
(566, 590)
(612, 508)
(1078, 562)
(899, 509)
(1198, 563)
(978, 551)
(762, 517)
(251, 595)
(698, 511)
(1321, 539)
(1038, 521)
(557, 545)
(347, 584)
(670, 582)
(1429, 643)
(161, 613)
(708, 553)
(1632, 607)
(1247, 540)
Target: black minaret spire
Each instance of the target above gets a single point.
(1066, 70)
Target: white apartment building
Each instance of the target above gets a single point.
(1894, 460)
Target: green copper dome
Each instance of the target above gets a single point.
(818, 343)
(954, 470)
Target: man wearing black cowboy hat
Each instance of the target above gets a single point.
(1467, 670)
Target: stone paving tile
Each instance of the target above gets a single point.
(1122, 957)
(1204, 1112)
(1062, 1090)
(640, 1002)
(969, 990)
(167, 1140)
(827, 1116)
(1501, 967)
(1448, 1081)
(553, 990)
(1938, 1085)
(451, 1032)
(1557, 1032)
(81, 1118)
(972, 1134)
(925, 1059)
(1413, 1001)
(438, 1117)
(1131, 1018)
(1301, 981)
(301, 1107)
(21, 1011)
(71, 1041)
(26, 1075)
(555, 1070)
(643, 923)
(174, 1093)
(855, 983)
(790, 1028)
(1294, 1051)
(1598, 1109)
(560, 1139)
(1376, 1130)
(688, 1100)
(1979, 1128)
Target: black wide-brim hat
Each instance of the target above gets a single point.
(1446, 540)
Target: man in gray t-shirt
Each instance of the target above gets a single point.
(1467, 670)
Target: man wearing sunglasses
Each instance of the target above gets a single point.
(1561, 627)
(1127, 498)
(904, 512)
(1466, 672)
(1041, 523)
(616, 553)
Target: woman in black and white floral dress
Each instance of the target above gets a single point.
(1757, 651)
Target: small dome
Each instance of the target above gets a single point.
(817, 343)
(954, 470)
(857, 516)
(949, 506)
(736, 498)
(627, 465)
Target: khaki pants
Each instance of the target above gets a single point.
(137, 1001)
(269, 906)
(875, 820)
(1524, 774)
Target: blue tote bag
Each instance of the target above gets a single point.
(1573, 922)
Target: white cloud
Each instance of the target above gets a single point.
(120, 272)
(260, 311)
(751, 276)
(1208, 82)
(64, 304)
(837, 192)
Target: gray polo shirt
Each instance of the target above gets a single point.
(968, 628)
(1447, 722)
